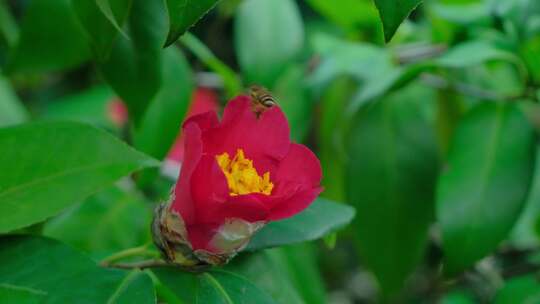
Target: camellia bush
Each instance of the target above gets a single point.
(269, 151)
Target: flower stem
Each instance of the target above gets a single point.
(138, 265)
(157, 263)
(131, 252)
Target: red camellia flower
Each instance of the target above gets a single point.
(238, 174)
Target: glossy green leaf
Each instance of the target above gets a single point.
(268, 271)
(51, 41)
(529, 52)
(482, 191)
(320, 218)
(450, 108)
(301, 265)
(12, 111)
(119, 220)
(386, 81)
(268, 35)
(20, 295)
(168, 108)
(289, 274)
(361, 60)
(114, 10)
(185, 13)
(102, 20)
(166, 112)
(218, 287)
(292, 97)
(372, 66)
(66, 275)
(525, 289)
(50, 166)
(457, 297)
(525, 232)
(473, 53)
(348, 14)
(331, 136)
(89, 106)
(9, 30)
(463, 13)
(134, 67)
(391, 182)
(393, 12)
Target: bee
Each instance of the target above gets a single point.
(261, 99)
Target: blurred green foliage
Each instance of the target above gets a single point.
(425, 121)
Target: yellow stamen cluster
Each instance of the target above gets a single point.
(242, 177)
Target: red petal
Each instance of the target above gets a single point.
(208, 187)
(297, 203)
(265, 140)
(183, 201)
(248, 207)
(204, 100)
(297, 182)
(300, 166)
(204, 121)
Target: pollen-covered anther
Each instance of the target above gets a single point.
(242, 177)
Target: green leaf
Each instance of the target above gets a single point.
(51, 166)
(291, 94)
(525, 232)
(529, 51)
(379, 75)
(363, 61)
(166, 112)
(66, 275)
(12, 110)
(524, 289)
(268, 270)
(185, 13)
(116, 17)
(168, 108)
(464, 14)
(384, 82)
(119, 220)
(89, 106)
(302, 267)
(210, 287)
(472, 53)
(457, 297)
(351, 15)
(134, 67)
(102, 20)
(269, 35)
(393, 12)
(49, 42)
(20, 295)
(231, 82)
(370, 65)
(320, 218)
(450, 108)
(9, 30)
(331, 136)
(481, 193)
(390, 180)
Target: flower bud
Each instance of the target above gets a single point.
(170, 236)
